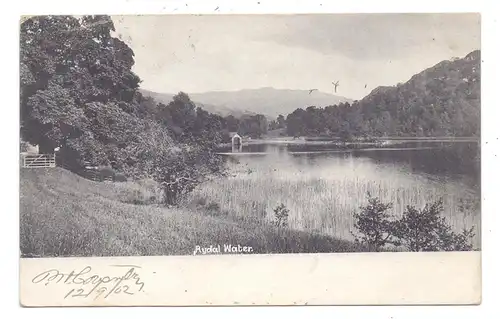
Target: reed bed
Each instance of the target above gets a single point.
(326, 205)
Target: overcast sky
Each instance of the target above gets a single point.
(232, 52)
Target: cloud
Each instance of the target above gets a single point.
(381, 36)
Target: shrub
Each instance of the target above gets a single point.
(416, 230)
(178, 168)
(24, 146)
(426, 230)
(281, 215)
(119, 177)
(200, 201)
(141, 192)
(106, 173)
(373, 223)
(450, 241)
(213, 206)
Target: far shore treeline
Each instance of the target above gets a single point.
(78, 93)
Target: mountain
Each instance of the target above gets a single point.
(443, 100)
(267, 101)
(166, 98)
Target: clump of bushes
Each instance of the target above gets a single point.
(106, 173)
(24, 146)
(417, 229)
(202, 204)
(281, 216)
(103, 173)
(373, 224)
(177, 167)
(200, 201)
(120, 177)
(213, 206)
(141, 192)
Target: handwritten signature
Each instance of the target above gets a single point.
(88, 284)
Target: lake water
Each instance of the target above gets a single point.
(322, 185)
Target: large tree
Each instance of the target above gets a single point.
(77, 88)
(78, 92)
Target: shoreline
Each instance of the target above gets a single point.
(385, 141)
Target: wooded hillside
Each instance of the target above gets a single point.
(443, 100)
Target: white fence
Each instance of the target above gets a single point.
(38, 160)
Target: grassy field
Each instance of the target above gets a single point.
(62, 214)
(325, 202)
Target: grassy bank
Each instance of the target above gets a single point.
(62, 214)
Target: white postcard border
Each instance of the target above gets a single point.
(224, 280)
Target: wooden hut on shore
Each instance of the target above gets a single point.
(236, 143)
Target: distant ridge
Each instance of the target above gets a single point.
(166, 98)
(267, 101)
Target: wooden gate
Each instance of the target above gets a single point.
(38, 160)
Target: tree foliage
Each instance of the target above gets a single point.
(254, 125)
(191, 124)
(279, 123)
(417, 229)
(77, 87)
(373, 224)
(78, 92)
(426, 230)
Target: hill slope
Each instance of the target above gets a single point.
(267, 101)
(442, 100)
(63, 214)
(224, 111)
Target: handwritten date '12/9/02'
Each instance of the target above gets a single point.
(87, 284)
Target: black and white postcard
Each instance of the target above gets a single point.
(250, 159)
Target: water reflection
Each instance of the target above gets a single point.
(440, 159)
